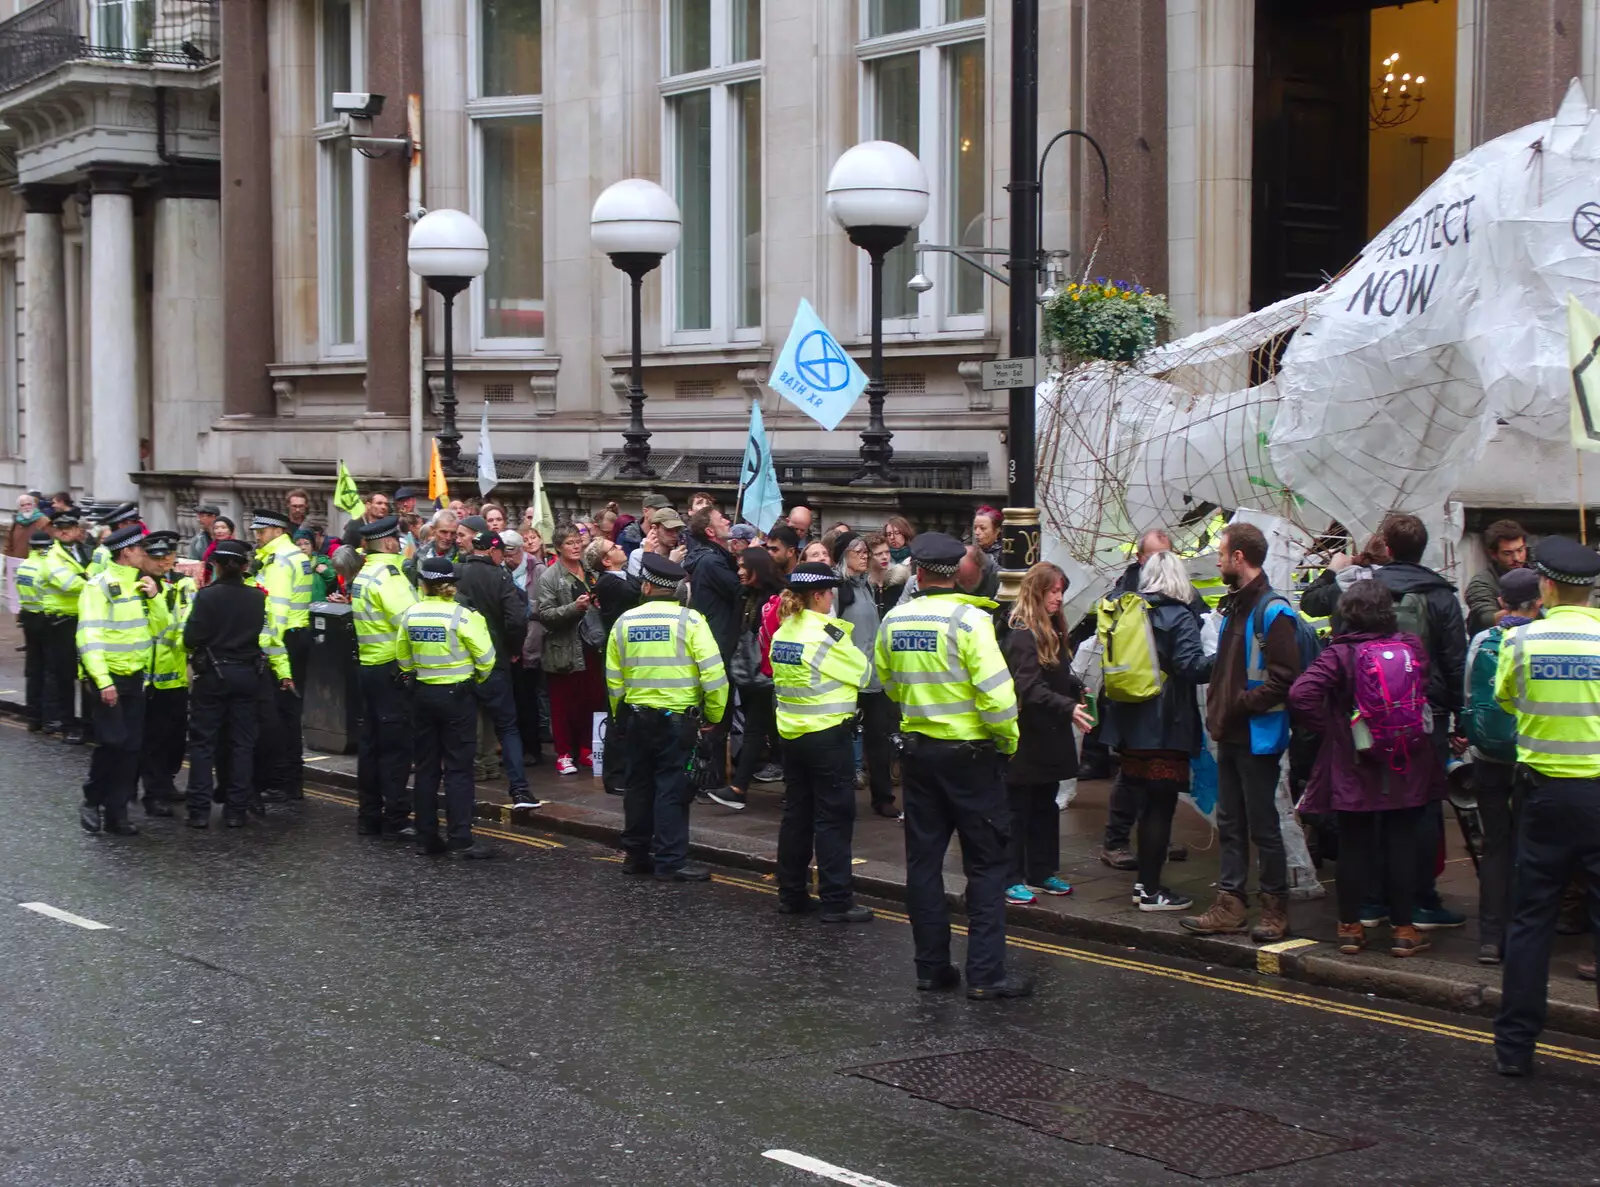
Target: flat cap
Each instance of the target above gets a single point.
(484, 541)
(662, 571)
(123, 537)
(938, 553)
(1566, 562)
(741, 531)
(812, 575)
(1519, 587)
(436, 568)
(389, 525)
(232, 549)
(207, 509)
(161, 543)
(666, 517)
(404, 492)
(265, 517)
(476, 523)
(652, 500)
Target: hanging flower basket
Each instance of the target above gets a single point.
(1113, 321)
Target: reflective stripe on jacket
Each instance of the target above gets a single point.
(379, 595)
(661, 655)
(170, 666)
(117, 626)
(443, 642)
(1549, 676)
(285, 575)
(28, 575)
(816, 673)
(62, 581)
(939, 661)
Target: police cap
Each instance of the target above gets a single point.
(161, 543)
(938, 553)
(1566, 562)
(123, 537)
(41, 540)
(236, 550)
(389, 525)
(265, 517)
(662, 571)
(65, 519)
(121, 513)
(811, 576)
(436, 568)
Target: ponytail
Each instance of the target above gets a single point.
(789, 605)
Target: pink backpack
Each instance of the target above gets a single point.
(1391, 701)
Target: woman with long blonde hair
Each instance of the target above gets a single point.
(1048, 700)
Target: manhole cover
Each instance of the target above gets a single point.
(1202, 1140)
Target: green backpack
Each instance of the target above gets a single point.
(1411, 617)
(1488, 727)
(1128, 654)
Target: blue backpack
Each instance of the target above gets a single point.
(1269, 732)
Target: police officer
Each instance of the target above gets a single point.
(1549, 676)
(379, 595)
(285, 573)
(223, 635)
(666, 682)
(447, 647)
(816, 672)
(59, 587)
(121, 516)
(120, 614)
(938, 660)
(30, 616)
(166, 714)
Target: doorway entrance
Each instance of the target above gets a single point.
(1335, 158)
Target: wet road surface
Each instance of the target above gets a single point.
(292, 1004)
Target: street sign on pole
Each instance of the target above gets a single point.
(1005, 374)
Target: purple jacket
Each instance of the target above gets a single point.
(1321, 701)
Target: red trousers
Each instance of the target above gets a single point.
(575, 697)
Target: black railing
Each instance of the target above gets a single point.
(180, 33)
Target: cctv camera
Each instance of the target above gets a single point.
(360, 104)
(919, 283)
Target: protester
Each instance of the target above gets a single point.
(897, 530)
(200, 543)
(1048, 696)
(740, 537)
(784, 545)
(815, 553)
(495, 516)
(713, 576)
(19, 545)
(615, 592)
(1157, 739)
(660, 538)
(298, 504)
(856, 602)
(1505, 544)
(324, 580)
(800, 521)
(986, 533)
(1371, 680)
(760, 584)
(605, 521)
(632, 534)
(699, 499)
(573, 669)
(1321, 599)
(1257, 660)
(888, 577)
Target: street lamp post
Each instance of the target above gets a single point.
(636, 223)
(878, 192)
(448, 250)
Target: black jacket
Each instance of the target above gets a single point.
(616, 593)
(1170, 721)
(1047, 751)
(487, 588)
(226, 620)
(714, 590)
(1447, 629)
(1321, 598)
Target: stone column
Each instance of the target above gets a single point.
(1529, 50)
(394, 69)
(113, 453)
(186, 320)
(248, 338)
(45, 428)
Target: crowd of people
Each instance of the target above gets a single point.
(832, 660)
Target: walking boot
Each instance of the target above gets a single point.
(1274, 924)
(1407, 941)
(1352, 938)
(1227, 917)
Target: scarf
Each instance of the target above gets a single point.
(900, 555)
(24, 520)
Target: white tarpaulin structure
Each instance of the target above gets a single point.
(1392, 382)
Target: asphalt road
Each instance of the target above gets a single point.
(292, 1004)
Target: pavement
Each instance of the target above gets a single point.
(289, 1003)
(1100, 909)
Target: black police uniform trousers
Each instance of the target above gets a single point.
(655, 802)
(290, 754)
(957, 787)
(166, 726)
(119, 732)
(819, 809)
(383, 750)
(445, 734)
(224, 727)
(33, 626)
(500, 703)
(1558, 836)
(59, 639)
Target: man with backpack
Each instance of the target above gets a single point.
(1259, 655)
(1493, 735)
(1426, 606)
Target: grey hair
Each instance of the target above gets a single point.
(444, 515)
(1165, 574)
(843, 567)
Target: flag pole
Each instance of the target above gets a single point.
(1583, 515)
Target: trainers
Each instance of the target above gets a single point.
(1490, 954)
(1119, 859)
(1054, 886)
(1374, 915)
(1407, 941)
(1274, 923)
(1352, 938)
(565, 765)
(1227, 917)
(769, 773)
(1436, 918)
(586, 758)
(525, 799)
(728, 797)
(1138, 892)
(1165, 900)
(1019, 894)
(1010, 986)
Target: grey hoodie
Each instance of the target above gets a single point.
(862, 615)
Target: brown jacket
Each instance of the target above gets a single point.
(1229, 704)
(19, 535)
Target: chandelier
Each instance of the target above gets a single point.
(1397, 98)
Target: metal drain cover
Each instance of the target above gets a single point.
(1197, 1139)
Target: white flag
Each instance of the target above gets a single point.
(486, 475)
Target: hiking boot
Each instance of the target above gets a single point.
(1407, 941)
(1274, 924)
(1352, 938)
(1227, 917)
(1119, 859)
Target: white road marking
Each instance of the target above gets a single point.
(65, 916)
(825, 1170)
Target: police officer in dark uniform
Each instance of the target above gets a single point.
(223, 639)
